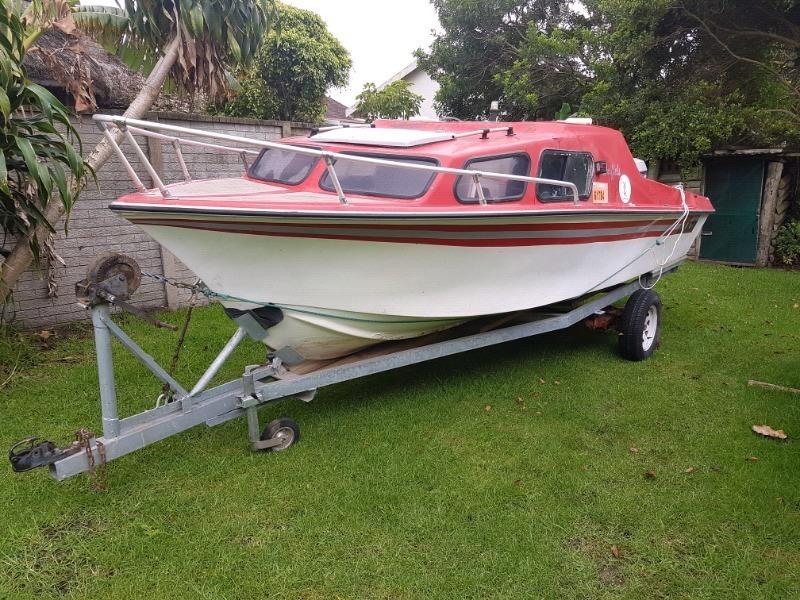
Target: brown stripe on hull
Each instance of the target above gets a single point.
(276, 230)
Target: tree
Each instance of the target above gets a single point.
(678, 90)
(36, 144)
(292, 71)
(395, 101)
(190, 41)
(678, 77)
(481, 42)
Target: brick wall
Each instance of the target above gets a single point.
(94, 229)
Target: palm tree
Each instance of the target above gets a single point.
(190, 41)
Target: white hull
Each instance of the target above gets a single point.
(339, 295)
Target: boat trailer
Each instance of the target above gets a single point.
(113, 278)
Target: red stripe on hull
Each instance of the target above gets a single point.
(415, 227)
(478, 243)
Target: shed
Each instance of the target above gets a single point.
(754, 191)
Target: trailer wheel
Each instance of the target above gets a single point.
(285, 430)
(640, 325)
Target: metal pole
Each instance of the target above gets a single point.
(105, 370)
(146, 162)
(253, 428)
(179, 154)
(476, 178)
(124, 159)
(215, 366)
(335, 179)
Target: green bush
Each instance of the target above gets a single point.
(787, 243)
(294, 68)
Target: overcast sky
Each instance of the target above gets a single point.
(381, 35)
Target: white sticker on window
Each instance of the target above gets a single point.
(625, 188)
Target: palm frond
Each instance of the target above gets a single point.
(107, 25)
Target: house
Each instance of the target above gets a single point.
(421, 83)
(334, 110)
(336, 113)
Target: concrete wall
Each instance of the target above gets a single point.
(94, 229)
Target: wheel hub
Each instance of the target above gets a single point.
(650, 328)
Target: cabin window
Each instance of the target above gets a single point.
(282, 166)
(494, 190)
(370, 179)
(575, 167)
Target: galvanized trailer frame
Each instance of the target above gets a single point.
(263, 384)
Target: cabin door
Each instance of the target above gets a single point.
(734, 187)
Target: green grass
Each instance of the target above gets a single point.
(405, 486)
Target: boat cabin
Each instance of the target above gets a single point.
(595, 159)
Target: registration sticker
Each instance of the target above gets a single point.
(600, 193)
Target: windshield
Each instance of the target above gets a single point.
(381, 180)
(282, 166)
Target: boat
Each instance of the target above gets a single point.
(352, 236)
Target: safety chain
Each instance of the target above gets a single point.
(166, 391)
(98, 473)
(197, 286)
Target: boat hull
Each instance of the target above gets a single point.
(344, 284)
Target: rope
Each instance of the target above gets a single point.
(680, 222)
(662, 239)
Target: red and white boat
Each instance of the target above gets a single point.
(354, 236)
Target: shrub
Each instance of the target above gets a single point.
(787, 243)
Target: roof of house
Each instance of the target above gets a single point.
(334, 110)
(404, 72)
(57, 58)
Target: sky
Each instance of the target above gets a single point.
(380, 35)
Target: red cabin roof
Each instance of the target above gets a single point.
(616, 184)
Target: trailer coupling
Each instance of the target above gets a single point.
(26, 454)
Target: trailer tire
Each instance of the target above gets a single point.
(285, 429)
(640, 326)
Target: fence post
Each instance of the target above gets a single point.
(767, 217)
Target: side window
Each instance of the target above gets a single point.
(282, 166)
(494, 190)
(575, 167)
(370, 179)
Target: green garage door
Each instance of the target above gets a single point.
(734, 187)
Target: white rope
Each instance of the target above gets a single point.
(681, 222)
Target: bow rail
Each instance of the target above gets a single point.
(159, 131)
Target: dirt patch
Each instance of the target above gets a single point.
(607, 559)
(54, 560)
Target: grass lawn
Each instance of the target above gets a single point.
(511, 472)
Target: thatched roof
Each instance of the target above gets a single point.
(57, 57)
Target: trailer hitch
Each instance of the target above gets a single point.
(26, 454)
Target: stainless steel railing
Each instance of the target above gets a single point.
(129, 127)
